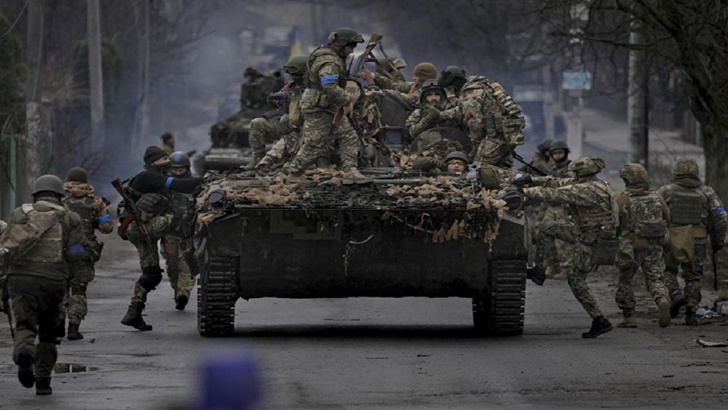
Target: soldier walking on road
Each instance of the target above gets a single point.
(181, 264)
(695, 213)
(323, 97)
(37, 279)
(150, 190)
(590, 203)
(81, 198)
(642, 229)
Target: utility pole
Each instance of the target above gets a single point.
(31, 144)
(96, 79)
(637, 109)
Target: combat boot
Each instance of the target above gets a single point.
(599, 326)
(73, 333)
(536, 274)
(690, 318)
(133, 318)
(677, 303)
(43, 386)
(665, 313)
(181, 301)
(629, 320)
(251, 165)
(354, 175)
(26, 375)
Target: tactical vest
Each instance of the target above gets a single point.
(49, 247)
(644, 216)
(588, 217)
(153, 204)
(84, 207)
(320, 56)
(687, 206)
(183, 206)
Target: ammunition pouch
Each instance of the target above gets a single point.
(682, 241)
(651, 229)
(604, 248)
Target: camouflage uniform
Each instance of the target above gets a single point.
(493, 120)
(36, 285)
(264, 130)
(590, 202)
(427, 115)
(319, 104)
(290, 128)
(696, 211)
(82, 199)
(641, 227)
(564, 250)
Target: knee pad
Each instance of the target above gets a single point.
(151, 277)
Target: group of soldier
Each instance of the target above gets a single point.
(640, 229)
(657, 232)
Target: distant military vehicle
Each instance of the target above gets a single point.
(396, 234)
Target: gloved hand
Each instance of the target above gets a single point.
(521, 180)
(513, 196)
(432, 113)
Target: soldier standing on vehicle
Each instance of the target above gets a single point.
(696, 213)
(179, 245)
(494, 121)
(150, 190)
(167, 143)
(641, 227)
(590, 202)
(265, 130)
(37, 279)
(432, 101)
(323, 97)
(81, 198)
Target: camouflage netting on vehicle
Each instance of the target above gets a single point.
(444, 207)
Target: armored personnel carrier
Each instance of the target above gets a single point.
(395, 234)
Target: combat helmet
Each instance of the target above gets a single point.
(77, 174)
(452, 76)
(686, 166)
(432, 85)
(457, 155)
(343, 36)
(557, 145)
(50, 183)
(585, 166)
(296, 66)
(179, 159)
(633, 174)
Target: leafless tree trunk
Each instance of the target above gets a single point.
(34, 127)
(637, 99)
(96, 80)
(141, 117)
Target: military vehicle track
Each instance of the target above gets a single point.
(216, 297)
(501, 311)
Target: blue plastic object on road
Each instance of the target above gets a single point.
(230, 381)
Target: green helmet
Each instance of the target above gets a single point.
(296, 65)
(397, 63)
(457, 155)
(48, 183)
(585, 166)
(557, 145)
(686, 166)
(633, 174)
(179, 159)
(343, 36)
(431, 85)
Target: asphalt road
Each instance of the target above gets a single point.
(380, 353)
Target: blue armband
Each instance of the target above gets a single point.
(718, 211)
(75, 248)
(279, 96)
(168, 182)
(329, 79)
(103, 219)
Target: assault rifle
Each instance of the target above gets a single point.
(535, 170)
(356, 67)
(133, 213)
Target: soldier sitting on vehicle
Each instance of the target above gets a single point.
(432, 101)
(540, 158)
(456, 162)
(408, 92)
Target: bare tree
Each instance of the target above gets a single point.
(34, 128)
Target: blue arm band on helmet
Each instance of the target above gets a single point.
(329, 79)
(75, 248)
(279, 95)
(105, 218)
(168, 183)
(718, 211)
